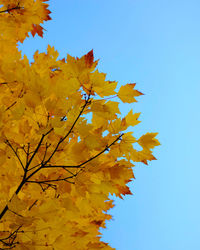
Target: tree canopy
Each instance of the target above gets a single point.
(64, 145)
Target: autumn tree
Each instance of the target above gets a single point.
(63, 141)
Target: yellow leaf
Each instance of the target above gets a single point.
(18, 110)
(93, 142)
(132, 119)
(127, 93)
(32, 99)
(16, 205)
(148, 141)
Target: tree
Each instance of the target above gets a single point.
(63, 141)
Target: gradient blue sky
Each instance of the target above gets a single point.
(157, 45)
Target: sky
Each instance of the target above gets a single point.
(155, 44)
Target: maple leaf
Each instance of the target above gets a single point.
(127, 93)
(37, 29)
(148, 140)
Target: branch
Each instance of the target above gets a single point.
(58, 144)
(15, 151)
(48, 185)
(15, 213)
(14, 8)
(54, 180)
(105, 149)
(11, 238)
(46, 148)
(92, 158)
(11, 105)
(68, 133)
(68, 171)
(37, 148)
(6, 82)
(27, 153)
(24, 180)
(32, 205)
(60, 166)
(39, 164)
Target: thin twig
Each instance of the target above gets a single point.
(68, 133)
(12, 237)
(54, 180)
(33, 204)
(11, 105)
(15, 152)
(92, 158)
(27, 154)
(59, 142)
(37, 148)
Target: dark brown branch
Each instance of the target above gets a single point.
(105, 149)
(68, 133)
(14, 8)
(65, 167)
(59, 142)
(60, 166)
(33, 204)
(15, 213)
(16, 192)
(37, 148)
(10, 239)
(54, 180)
(27, 153)
(92, 158)
(15, 152)
(67, 170)
(47, 186)
(44, 163)
(39, 164)
(24, 180)
(46, 148)
(11, 105)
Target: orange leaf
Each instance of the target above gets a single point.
(37, 29)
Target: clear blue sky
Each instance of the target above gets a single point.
(157, 45)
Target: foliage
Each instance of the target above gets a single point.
(63, 149)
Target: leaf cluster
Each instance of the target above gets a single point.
(63, 141)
